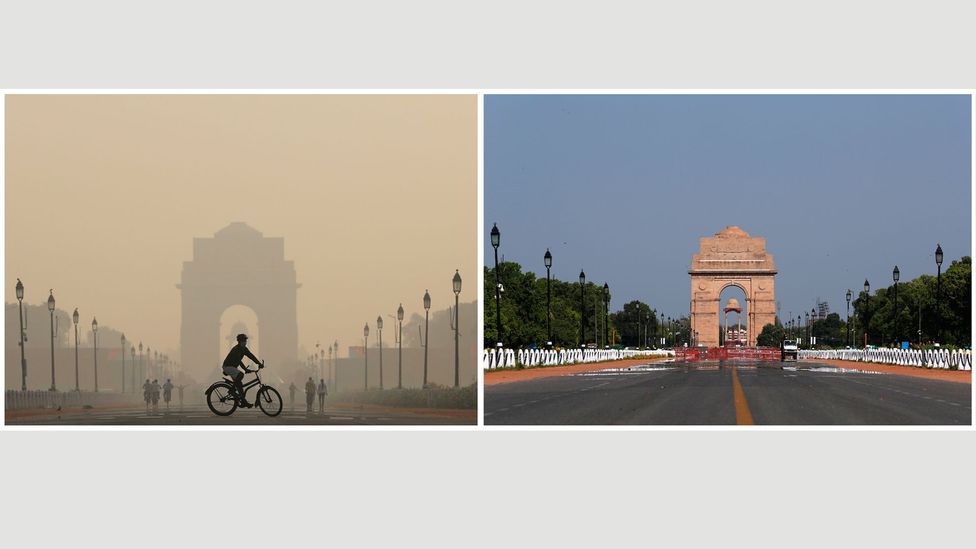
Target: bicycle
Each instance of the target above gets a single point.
(222, 399)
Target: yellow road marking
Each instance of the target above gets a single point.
(742, 414)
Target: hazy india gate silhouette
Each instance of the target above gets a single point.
(238, 266)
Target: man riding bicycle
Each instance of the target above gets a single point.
(234, 361)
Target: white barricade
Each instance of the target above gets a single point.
(508, 358)
(930, 358)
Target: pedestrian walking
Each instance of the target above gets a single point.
(147, 393)
(292, 390)
(322, 392)
(167, 393)
(180, 389)
(154, 388)
(309, 395)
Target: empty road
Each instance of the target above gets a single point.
(743, 393)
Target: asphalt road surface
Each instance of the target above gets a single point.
(729, 393)
(201, 415)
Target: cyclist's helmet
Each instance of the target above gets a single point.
(241, 337)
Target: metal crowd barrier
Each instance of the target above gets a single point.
(15, 400)
(931, 358)
(506, 358)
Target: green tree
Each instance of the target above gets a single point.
(771, 335)
(633, 323)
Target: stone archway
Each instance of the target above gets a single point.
(731, 258)
(238, 266)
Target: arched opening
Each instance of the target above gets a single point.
(732, 314)
(239, 319)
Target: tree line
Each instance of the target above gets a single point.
(924, 314)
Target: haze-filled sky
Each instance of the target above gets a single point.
(843, 187)
(374, 195)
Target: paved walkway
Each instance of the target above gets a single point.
(494, 377)
(956, 376)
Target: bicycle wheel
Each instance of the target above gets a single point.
(220, 400)
(269, 401)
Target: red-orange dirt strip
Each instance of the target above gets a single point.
(494, 377)
(956, 376)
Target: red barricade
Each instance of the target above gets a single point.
(751, 354)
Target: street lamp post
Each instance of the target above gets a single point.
(50, 308)
(495, 241)
(379, 330)
(606, 314)
(813, 322)
(895, 275)
(142, 369)
(23, 360)
(427, 328)
(74, 318)
(456, 281)
(123, 363)
(806, 327)
(548, 261)
(938, 293)
(400, 346)
(582, 281)
(335, 364)
(135, 371)
(366, 356)
(95, 345)
(867, 311)
(848, 317)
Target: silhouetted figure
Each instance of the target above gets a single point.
(234, 361)
(322, 392)
(309, 395)
(180, 389)
(147, 393)
(155, 395)
(167, 393)
(291, 391)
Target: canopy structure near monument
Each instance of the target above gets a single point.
(731, 258)
(238, 266)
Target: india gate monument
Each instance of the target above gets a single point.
(238, 266)
(731, 258)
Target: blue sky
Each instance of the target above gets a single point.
(843, 187)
